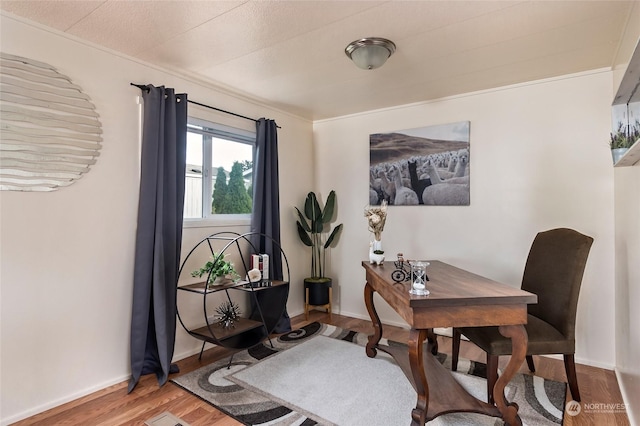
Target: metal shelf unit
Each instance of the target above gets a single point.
(268, 298)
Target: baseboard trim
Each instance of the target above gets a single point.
(633, 410)
(63, 400)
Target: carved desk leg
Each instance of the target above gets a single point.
(374, 339)
(416, 360)
(519, 339)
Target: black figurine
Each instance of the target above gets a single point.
(403, 270)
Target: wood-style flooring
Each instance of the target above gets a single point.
(113, 406)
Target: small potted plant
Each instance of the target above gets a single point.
(218, 271)
(311, 230)
(621, 140)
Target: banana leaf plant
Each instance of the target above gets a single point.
(311, 230)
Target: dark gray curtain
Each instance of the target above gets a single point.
(159, 233)
(266, 202)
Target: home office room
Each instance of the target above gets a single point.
(422, 219)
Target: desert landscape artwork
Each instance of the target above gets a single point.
(422, 166)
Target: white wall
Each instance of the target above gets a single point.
(539, 160)
(627, 196)
(67, 256)
(627, 226)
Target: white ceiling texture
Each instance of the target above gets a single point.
(291, 53)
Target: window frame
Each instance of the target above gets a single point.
(209, 131)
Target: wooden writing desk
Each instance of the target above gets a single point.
(458, 299)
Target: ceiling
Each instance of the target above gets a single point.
(291, 53)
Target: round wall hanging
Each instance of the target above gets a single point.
(50, 130)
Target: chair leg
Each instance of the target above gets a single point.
(432, 340)
(492, 376)
(455, 349)
(572, 378)
(530, 363)
(306, 304)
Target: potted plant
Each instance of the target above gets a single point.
(218, 271)
(313, 228)
(622, 140)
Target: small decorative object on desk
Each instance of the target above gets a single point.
(375, 256)
(402, 271)
(419, 276)
(228, 313)
(376, 217)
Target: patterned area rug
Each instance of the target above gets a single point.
(320, 375)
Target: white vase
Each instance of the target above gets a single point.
(377, 259)
(221, 280)
(373, 257)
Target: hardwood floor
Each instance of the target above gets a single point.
(112, 406)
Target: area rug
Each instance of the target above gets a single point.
(320, 374)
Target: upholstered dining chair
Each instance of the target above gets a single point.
(553, 271)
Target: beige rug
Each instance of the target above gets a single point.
(321, 375)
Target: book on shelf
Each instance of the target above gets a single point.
(261, 263)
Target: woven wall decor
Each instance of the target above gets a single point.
(50, 130)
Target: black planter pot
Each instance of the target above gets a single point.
(319, 294)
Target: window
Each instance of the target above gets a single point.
(219, 170)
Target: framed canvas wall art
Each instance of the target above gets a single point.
(422, 166)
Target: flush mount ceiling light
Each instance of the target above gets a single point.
(371, 52)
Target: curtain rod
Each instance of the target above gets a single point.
(144, 87)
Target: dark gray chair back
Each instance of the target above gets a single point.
(554, 271)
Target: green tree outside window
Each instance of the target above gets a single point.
(236, 200)
(219, 192)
